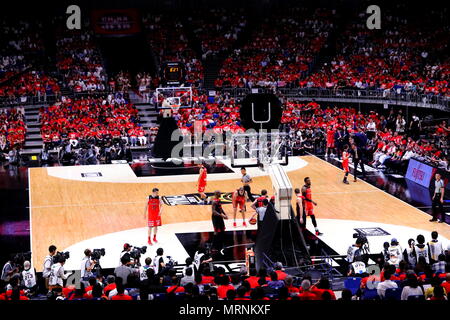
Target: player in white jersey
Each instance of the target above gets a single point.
(143, 269)
(29, 276)
(395, 252)
(409, 254)
(57, 275)
(421, 249)
(435, 247)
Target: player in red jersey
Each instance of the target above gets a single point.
(307, 203)
(153, 210)
(239, 201)
(330, 141)
(259, 201)
(345, 157)
(201, 184)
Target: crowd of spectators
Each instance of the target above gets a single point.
(417, 271)
(420, 270)
(21, 49)
(95, 126)
(389, 140)
(405, 56)
(79, 60)
(32, 83)
(12, 130)
(220, 114)
(19, 41)
(217, 30)
(280, 50)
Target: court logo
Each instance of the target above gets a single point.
(194, 199)
(371, 232)
(91, 174)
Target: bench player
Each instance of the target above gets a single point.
(153, 210)
(238, 200)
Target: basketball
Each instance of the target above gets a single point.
(252, 221)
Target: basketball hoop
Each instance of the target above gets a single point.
(259, 149)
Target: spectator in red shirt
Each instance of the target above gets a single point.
(321, 287)
(111, 284)
(446, 283)
(224, 286)
(279, 270)
(307, 294)
(290, 287)
(120, 294)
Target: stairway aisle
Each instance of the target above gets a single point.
(33, 138)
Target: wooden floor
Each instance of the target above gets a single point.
(64, 212)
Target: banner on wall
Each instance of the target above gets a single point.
(420, 172)
(116, 21)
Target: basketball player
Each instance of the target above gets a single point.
(201, 183)
(308, 209)
(299, 203)
(345, 157)
(330, 142)
(217, 217)
(259, 201)
(153, 210)
(239, 200)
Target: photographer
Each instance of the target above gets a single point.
(126, 251)
(57, 274)
(48, 262)
(9, 269)
(201, 259)
(87, 265)
(159, 262)
(125, 270)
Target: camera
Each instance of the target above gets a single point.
(136, 252)
(59, 256)
(171, 262)
(97, 254)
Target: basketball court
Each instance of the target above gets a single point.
(102, 206)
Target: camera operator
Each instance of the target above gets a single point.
(159, 263)
(57, 274)
(48, 262)
(87, 265)
(162, 264)
(202, 258)
(9, 269)
(126, 251)
(124, 270)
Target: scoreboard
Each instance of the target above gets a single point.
(173, 73)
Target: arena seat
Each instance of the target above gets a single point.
(370, 294)
(416, 298)
(352, 284)
(393, 294)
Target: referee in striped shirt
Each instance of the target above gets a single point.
(438, 199)
(246, 180)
